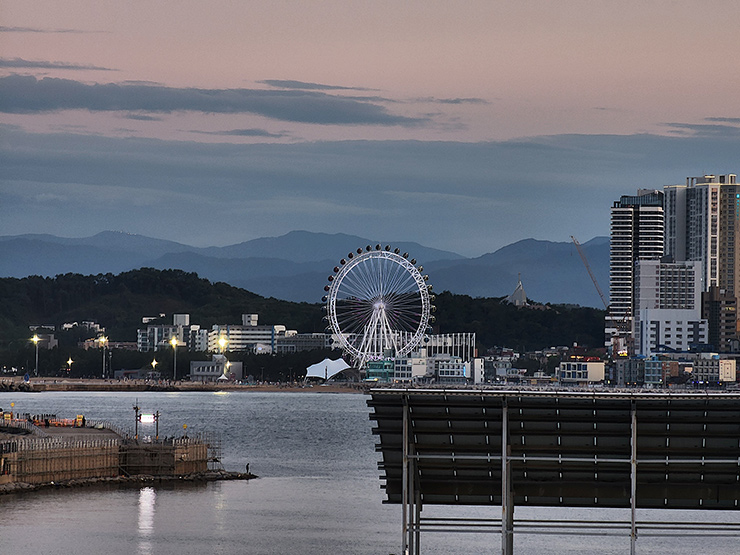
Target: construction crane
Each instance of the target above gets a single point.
(590, 273)
(622, 336)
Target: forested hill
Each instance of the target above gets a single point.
(118, 302)
(499, 323)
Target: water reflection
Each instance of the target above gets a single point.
(147, 497)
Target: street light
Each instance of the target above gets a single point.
(103, 339)
(69, 365)
(173, 342)
(36, 340)
(222, 342)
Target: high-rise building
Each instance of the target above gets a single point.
(703, 224)
(637, 233)
(702, 220)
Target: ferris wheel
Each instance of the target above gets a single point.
(378, 304)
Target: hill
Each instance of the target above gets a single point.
(294, 266)
(118, 302)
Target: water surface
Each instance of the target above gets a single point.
(318, 491)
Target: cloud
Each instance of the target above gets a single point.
(28, 95)
(253, 132)
(142, 117)
(28, 64)
(302, 85)
(706, 129)
(431, 99)
(4, 29)
(470, 198)
(726, 120)
(461, 101)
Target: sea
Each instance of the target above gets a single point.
(318, 489)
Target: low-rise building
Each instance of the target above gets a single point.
(218, 368)
(245, 337)
(580, 371)
(450, 370)
(292, 342)
(496, 369)
(412, 368)
(713, 370)
(380, 371)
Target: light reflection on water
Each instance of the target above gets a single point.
(318, 491)
(147, 497)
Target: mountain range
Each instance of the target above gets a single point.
(295, 266)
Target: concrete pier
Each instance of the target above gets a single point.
(36, 456)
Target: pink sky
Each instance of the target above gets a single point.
(460, 125)
(541, 67)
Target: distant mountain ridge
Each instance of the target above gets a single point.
(295, 266)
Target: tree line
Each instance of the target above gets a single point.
(118, 302)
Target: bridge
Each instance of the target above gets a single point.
(555, 448)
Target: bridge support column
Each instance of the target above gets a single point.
(633, 480)
(410, 495)
(405, 481)
(507, 498)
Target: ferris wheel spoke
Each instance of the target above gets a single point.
(354, 318)
(375, 277)
(410, 298)
(354, 285)
(400, 279)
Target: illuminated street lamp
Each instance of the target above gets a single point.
(36, 340)
(173, 342)
(103, 340)
(154, 364)
(69, 365)
(222, 342)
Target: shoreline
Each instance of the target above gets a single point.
(37, 385)
(128, 481)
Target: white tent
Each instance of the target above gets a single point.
(326, 369)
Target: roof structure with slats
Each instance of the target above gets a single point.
(574, 449)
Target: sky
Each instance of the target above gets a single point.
(463, 126)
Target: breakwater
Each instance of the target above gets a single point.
(56, 455)
(51, 384)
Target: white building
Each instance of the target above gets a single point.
(460, 345)
(668, 307)
(294, 342)
(196, 338)
(420, 367)
(450, 369)
(154, 338)
(580, 371)
(412, 368)
(217, 368)
(246, 337)
(676, 330)
(477, 370)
